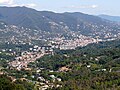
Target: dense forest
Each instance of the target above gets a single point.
(7, 84)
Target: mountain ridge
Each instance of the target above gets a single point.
(111, 18)
(22, 16)
(60, 23)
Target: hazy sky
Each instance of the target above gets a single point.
(110, 7)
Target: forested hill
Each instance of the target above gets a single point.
(94, 67)
(56, 22)
(111, 18)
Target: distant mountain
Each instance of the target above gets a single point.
(111, 18)
(60, 23)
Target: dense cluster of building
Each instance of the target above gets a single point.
(80, 41)
(26, 57)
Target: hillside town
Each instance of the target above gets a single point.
(59, 45)
(26, 57)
